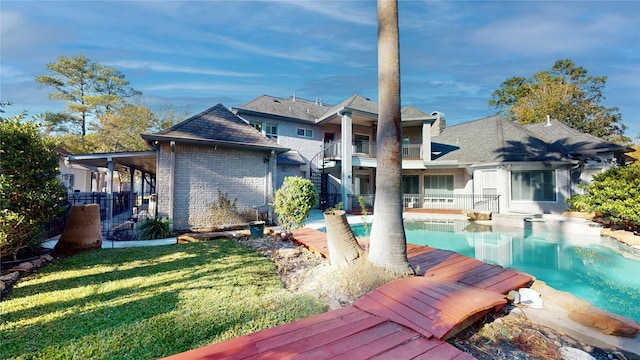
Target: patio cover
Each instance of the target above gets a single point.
(144, 161)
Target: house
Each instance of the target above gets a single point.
(213, 151)
(74, 177)
(489, 164)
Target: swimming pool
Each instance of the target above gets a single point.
(593, 268)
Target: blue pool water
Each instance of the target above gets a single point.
(596, 269)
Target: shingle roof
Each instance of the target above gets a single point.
(290, 158)
(569, 140)
(492, 139)
(410, 113)
(295, 108)
(354, 102)
(216, 125)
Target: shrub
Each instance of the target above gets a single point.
(30, 191)
(614, 193)
(155, 228)
(226, 211)
(294, 201)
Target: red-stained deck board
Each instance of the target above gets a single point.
(308, 339)
(380, 305)
(365, 343)
(454, 267)
(424, 302)
(444, 351)
(411, 349)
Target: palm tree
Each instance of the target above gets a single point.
(388, 248)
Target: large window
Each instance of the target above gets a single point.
(271, 130)
(533, 185)
(410, 184)
(438, 184)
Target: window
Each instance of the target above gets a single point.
(490, 182)
(256, 125)
(361, 143)
(533, 185)
(271, 130)
(305, 133)
(410, 184)
(438, 184)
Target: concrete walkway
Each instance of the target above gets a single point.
(108, 244)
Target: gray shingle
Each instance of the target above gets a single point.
(295, 108)
(569, 140)
(215, 125)
(492, 139)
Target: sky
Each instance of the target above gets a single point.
(191, 55)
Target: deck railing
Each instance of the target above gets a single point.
(453, 202)
(449, 202)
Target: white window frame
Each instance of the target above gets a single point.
(271, 131)
(306, 133)
(531, 186)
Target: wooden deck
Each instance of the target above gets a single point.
(404, 319)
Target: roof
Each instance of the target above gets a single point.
(290, 158)
(355, 102)
(293, 107)
(142, 160)
(492, 139)
(571, 141)
(411, 114)
(216, 126)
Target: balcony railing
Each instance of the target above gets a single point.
(368, 149)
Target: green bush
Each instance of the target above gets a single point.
(294, 201)
(31, 194)
(615, 195)
(155, 228)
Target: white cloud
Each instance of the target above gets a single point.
(347, 11)
(152, 66)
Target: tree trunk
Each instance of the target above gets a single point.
(82, 231)
(388, 245)
(343, 246)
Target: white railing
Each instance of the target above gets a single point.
(368, 149)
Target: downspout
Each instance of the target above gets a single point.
(172, 180)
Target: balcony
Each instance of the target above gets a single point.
(367, 149)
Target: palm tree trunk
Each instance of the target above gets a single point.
(342, 243)
(388, 241)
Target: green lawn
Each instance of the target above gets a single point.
(142, 303)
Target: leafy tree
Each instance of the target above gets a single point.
(120, 129)
(30, 191)
(614, 193)
(294, 201)
(635, 154)
(88, 88)
(565, 93)
(388, 244)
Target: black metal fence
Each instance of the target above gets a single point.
(119, 212)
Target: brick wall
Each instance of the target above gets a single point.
(200, 172)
